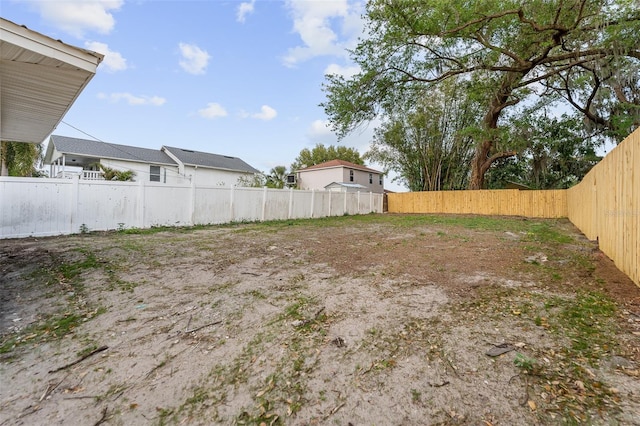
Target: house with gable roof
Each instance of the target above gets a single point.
(340, 175)
(72, 157)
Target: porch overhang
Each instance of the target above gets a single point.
(40, 78)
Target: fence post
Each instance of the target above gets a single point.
(141, 203)
(193, 202)
(231, 202)
(345, 203)
(313, 196)
(264, 203)
(290, 203)
(75, 200)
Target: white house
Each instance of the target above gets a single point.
(340, 175)
(69, 157)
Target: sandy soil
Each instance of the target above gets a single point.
(347, 321)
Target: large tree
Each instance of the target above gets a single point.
(428, 144)
(20, 158)
(320, 154)
(509, 51)
(556, 153)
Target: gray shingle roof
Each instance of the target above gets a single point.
(213, 161)
(97, 149)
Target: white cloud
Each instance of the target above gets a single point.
(266, 113)
(245, 9)
(194, 60)
(325, 27)
(213, 110)
(132, 99)
(346, 72)
(76, 17)
(113, 61)
(320, 132)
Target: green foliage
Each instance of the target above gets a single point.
(257, 180)
(511, 53)
(555, 153)
(119, 175)
(524, 363)
(320, 154)
(277, 177)
(428, 145)
(20, 159)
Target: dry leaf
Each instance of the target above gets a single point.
(532, 405)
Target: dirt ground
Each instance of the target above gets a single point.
(369, 320)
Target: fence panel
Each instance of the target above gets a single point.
(212, 205)
(35, 207)
(277, 204)
(605, 205)
(301, 204)
(42, 207)
(247, 204)
(507, 202)
(103, 206)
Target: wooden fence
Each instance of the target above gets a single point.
(507, 202)
(604, 206)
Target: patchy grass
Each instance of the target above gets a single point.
(393, 311)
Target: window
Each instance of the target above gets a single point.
(380, 181)
(370, 178)
(350, 175)
(154, 173)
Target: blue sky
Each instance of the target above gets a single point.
(239, 78)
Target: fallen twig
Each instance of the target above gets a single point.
(51, 388)
(103, 418)
(79, 360)
(318, 313)
(335, 409)
(82, 397)
(193, 330)
(188, 324)
(438, 385)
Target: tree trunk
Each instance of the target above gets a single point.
(479, 166)
(483, 158)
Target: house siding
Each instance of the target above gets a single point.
(214, 177)
(318, 179)
(142, 171)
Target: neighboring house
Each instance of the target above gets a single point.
(340, 175)
(209, 169)
(69, 157)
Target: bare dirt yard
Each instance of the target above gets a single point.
(357, 320)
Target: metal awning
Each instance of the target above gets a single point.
(40, 78)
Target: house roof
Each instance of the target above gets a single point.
(339, 163)
(94, 149)
(41, 78)
(213, 161)
(347, 185)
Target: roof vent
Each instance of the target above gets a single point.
(186, 150)
(226, 156)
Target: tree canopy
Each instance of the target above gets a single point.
(428, 144)
(320, 154)
(581, 52)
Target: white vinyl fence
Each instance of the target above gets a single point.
(43, 207)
